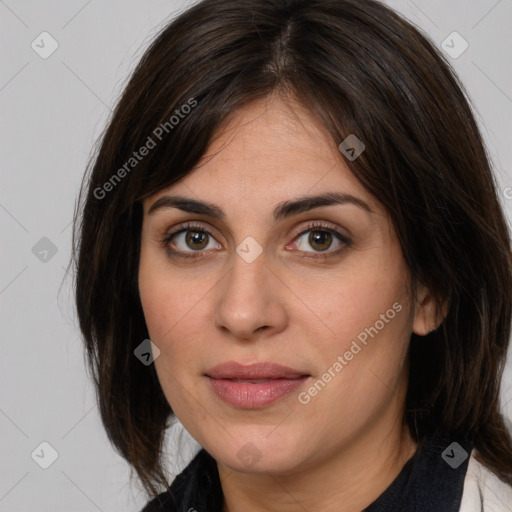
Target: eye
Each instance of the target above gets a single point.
(189, 240)
(317, 241)
(321, 239)
(194, 240)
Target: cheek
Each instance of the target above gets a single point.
(370, 316)
(175, 314)
(172, 319)
(174, 327)
(167, 296)
(366, 301)
(361, 370)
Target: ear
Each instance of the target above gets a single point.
(429, 313)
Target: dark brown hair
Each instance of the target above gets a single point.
(360, 69)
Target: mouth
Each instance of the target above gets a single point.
(253, 372)
(253, 381)
(253, 386)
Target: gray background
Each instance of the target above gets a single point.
(52, 111)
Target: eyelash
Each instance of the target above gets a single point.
(190, 226)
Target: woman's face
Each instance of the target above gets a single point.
(256, 270)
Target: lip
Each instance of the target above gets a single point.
(231, 382)
(264, 370)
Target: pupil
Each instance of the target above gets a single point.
(320, 240)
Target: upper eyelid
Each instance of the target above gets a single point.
(188, 226)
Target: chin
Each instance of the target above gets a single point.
(256, 455)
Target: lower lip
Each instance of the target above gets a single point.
(246, 395)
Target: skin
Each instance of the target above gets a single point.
(341, 450)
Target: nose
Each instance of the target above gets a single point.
(249, 301)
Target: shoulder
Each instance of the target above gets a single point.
(196, 487)
(171, 500)
(162, 503)
(483, 490)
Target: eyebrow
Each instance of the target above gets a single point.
(282, 210)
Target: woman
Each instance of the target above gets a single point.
(291, 242)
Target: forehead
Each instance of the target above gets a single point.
(271, 150)
(272, 136)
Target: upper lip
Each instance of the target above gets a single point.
(264, 370)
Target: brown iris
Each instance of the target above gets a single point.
(320, 240)
(196, 240)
